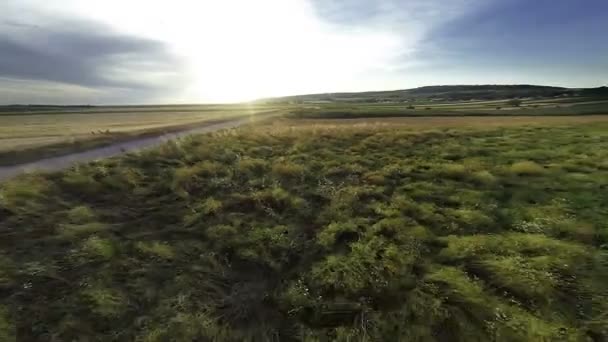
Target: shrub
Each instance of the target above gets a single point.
(252, 166)
(156, 249)
(515, 102)
(338, 232)
(471, 220)
(287, 170)
(522, 277)
(98, 247)
(26, 195)
(81, 215)
(453, 171)
(526, 168)
(106, 302)
(483, 178)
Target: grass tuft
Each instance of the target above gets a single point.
(526, 168)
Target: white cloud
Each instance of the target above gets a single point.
(240, 49)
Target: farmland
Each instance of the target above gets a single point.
(29, 133)
(40, 132)
(370, 229)
(421, 108)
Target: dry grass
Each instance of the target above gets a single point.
(34, 130)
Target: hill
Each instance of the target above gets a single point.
(448, 93)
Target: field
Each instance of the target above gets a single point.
(422, 108)
(29, 133)
(46, 132)
(402, 229)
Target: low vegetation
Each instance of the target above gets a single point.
(315, 232)
(511, 108)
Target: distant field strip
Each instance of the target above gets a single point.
(29, 137)
(26, 131)
(458, 121)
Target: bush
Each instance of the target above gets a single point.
(97, 247)
(527, 168)
(81, 215)
(156, 249)
(107, 303)
(453, 171)
(483, 178)
(287, 170)
(515, 102)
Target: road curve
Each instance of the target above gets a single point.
(63, 162)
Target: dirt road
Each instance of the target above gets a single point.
(63, 162)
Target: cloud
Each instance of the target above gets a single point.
(46, 56)
(411, 21)
(201, 51)
(79, 53)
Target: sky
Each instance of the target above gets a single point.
(212, 51)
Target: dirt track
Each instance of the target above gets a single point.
(63, 162)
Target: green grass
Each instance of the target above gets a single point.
(315, 231)
(557, 107)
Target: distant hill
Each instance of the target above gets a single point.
(596, 92)
(449, 93)
(38, 108)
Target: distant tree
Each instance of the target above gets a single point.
(428, 108)
(515, 102)
(411, 107)
(498, 108)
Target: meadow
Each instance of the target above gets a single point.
(403, 229)
(44, 132)
(30, 133)
(425, 108)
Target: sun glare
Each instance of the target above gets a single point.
(239, 50)
(266, 48)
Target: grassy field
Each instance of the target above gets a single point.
(413, 229)
(44, 133)
(30, 133)
(541, 107)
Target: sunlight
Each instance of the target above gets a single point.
(238, 50)
(271, 53)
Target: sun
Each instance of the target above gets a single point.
(238, 50)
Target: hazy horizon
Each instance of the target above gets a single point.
(68, 52)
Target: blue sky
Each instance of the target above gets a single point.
(189, 51)
(564, 42)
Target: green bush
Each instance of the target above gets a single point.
(526, 168)
(98, 247)
(156, 249)
(107, 303)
